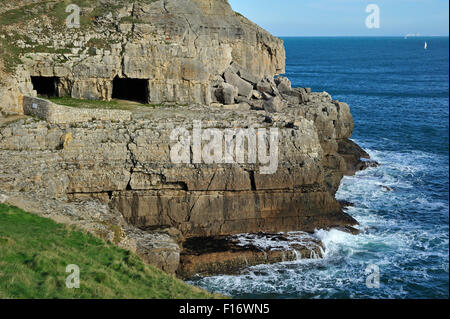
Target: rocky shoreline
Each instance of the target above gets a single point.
(230, 255)
(135, 197)
(112, 173)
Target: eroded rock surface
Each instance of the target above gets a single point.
(160, 248)
(179, 47)
(126, 165)
(112, 173)
(232, 254)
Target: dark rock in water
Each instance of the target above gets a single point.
(345, 203)
(350, 147)
(229, 255)
(355, 157)
(348, 229)
(367, 164)
(368, 230)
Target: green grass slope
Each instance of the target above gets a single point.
(34, 254)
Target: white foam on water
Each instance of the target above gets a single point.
(403, 231)
(285, 242)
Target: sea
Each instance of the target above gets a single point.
(399, 97)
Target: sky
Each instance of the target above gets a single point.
(347, 17)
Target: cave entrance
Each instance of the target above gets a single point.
(46, 85)
(130, 89)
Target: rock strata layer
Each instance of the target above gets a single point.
(230, 255)
(179, 48)
(127, 166)
(112, 171)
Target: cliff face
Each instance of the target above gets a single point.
(128, 165)
(179, 47)
(197, 52)
(152, 204)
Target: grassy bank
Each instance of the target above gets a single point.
(92, 104)
(22, 13)
(34, 254)
(100, 104)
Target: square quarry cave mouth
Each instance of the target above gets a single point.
(46, 85)
(130, 89)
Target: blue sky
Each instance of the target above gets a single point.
(346, 17)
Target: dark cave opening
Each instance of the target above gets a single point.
(46, 85)
(130, 89)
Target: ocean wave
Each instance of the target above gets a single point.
(404, 232)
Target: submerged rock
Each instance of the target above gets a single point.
(230, 255)
(345, 204)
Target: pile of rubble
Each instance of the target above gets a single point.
(238, 86)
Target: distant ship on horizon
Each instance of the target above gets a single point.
(412, 35)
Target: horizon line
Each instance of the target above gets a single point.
(361, 36)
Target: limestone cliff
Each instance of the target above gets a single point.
(110, 171)
(179, 47)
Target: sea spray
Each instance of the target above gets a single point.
(399, 101)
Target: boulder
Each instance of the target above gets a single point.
(226, 93)
(301, 93)
(249, 77)
(227, 255)
(295, 96)
(244, 73)
(283, 84)
(275, 104)
(266, 96)
(256, 95)
(244, 88)
(264, 87)
(291, 99)
(257, 105)
(242, 99)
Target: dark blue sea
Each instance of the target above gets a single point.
(399, 96)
